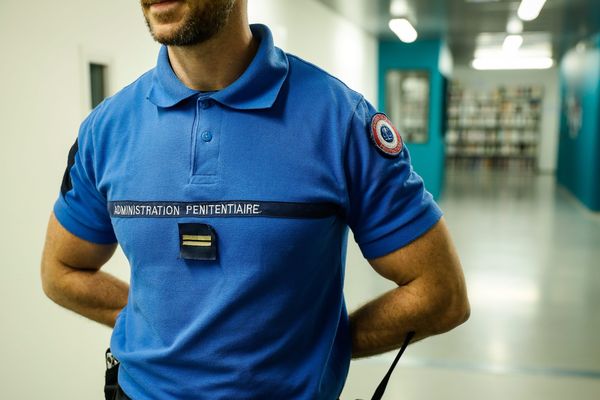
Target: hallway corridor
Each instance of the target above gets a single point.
(531, 258)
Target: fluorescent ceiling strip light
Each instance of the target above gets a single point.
(524, 52)
(403, 29)
(512, 63)
(530, 9)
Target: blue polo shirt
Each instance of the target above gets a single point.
(232, 208)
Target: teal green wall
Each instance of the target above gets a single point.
(427, 158)
(579, 156)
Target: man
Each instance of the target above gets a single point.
(229, 174)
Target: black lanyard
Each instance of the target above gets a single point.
(381, 388)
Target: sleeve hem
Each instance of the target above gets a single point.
(71, 224)
(402, 236)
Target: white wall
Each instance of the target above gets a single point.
(312, 31)
(46, 351)
(548, 79)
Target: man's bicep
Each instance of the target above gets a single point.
(67, 249)
(432, 257)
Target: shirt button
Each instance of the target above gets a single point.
(204, 104)
(206, 136)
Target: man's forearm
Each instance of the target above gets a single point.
(382, 324)
(94, 294)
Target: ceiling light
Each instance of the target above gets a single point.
(403, 29)
(492, 45)
(514, 26)
(399, 8)
(530, 9)
(512, 43)
(512, 63)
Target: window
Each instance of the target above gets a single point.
(97, 83)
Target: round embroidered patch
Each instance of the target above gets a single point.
(385, 136)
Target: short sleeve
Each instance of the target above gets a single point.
(81, 208)
(388, 205)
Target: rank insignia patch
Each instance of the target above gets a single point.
(197, 242)
(385, 136)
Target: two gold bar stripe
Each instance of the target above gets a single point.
(197, 244)
(197, 240)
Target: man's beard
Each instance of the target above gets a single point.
(198, 25)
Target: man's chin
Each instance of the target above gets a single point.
(165, 34)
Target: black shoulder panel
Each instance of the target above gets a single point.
(66, 182)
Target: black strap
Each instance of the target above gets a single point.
(381, 388)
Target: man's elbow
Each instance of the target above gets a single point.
(48, 284)
(461, 311)
(453, 311)
(50, 277)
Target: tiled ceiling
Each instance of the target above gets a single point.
(461, 21)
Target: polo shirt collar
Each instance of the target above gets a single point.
(257, 88)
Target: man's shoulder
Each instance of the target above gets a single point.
(131, 94)
(124, 104)
(312, 78)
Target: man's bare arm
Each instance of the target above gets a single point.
(71, 275)
(430, 298)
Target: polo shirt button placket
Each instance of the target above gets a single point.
(206, 148)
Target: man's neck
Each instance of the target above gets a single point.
(218, 62)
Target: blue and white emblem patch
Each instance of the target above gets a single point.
(385, 136)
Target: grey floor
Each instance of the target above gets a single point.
(531, 258)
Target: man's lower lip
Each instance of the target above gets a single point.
(163, 4)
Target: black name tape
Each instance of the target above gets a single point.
(197, 242)
(214, 209)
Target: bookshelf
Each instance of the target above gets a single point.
(407, 102)
(497, 128)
